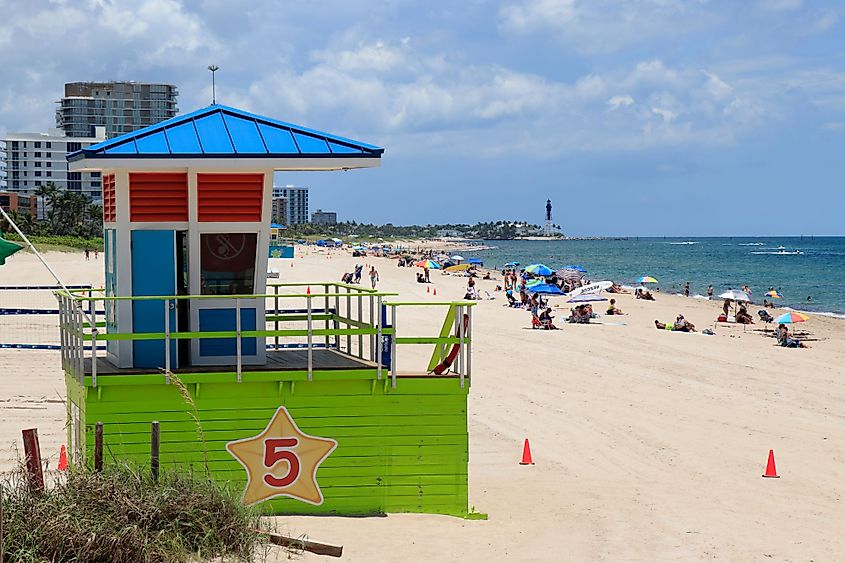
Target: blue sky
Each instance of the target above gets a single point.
(637, 117)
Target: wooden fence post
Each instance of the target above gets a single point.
(155, 445)
(98, 447)
(32, 450)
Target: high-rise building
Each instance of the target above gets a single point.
(120, 107)
(294, 209)
(36, 159)
(11, 201)
(321, 217)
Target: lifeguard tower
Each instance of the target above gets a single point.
(293, 389)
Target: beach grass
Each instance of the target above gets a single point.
(57, 243)
(122, 514)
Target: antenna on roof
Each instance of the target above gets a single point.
(213, 69)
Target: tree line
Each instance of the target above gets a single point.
(66, 213)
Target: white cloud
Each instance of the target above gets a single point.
(667, 115)
(781, 5)
(834, 126)
(618, 101)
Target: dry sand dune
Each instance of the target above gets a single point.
(648, 445)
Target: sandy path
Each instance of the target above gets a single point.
(648, 445)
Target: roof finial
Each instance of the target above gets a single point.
(213, 69)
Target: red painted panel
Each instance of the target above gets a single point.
(229, 197)
(109, 211)
(158, 196)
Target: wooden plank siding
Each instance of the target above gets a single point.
(399, 450)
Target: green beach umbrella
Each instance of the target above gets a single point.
(7, 249)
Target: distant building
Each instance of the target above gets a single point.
(11, 201)
(290, 205)
(36, 159)
(120, 107)
(321, 217)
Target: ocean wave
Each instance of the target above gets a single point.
(686, 242)
(750, 244)
(778, 252)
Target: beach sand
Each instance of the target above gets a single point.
(649, 445)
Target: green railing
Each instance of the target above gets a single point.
(336, 316)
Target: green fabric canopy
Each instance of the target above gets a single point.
(7, 249)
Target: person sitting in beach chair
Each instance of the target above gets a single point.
(782, 334)
(743, 317)
(765, 316)
(612, 309)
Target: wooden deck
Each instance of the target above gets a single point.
(277, 360)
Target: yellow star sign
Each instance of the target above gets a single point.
(282, 461)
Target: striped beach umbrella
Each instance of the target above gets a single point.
(430, 264)
(792, 317)
(646, 279)
(774, 293)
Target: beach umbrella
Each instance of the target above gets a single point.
(475, 261)
(457, 268)
(511, 264)
(569, 275)
(533, 282)
(775, 294)
(539, 270)
(545, 288)
(646, 279)
(792, 317)
(581, 269)
(457, 258)
(430, 264)
(735, 295)
(586, 298)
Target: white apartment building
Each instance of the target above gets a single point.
(294, 209)
(35, 159)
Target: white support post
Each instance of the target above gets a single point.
(348, 318)
(360, 319)
(469, 348)
(393, 349)
(238, 335)
(326, 305)
(310, 340)
(378, 338)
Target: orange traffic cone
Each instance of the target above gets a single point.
(62, 459)
(291, 264)
(771, 471)
(435, 291)
(428, 289)
(526, 454)
(308, 290)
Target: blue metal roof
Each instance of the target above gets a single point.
(221, 131)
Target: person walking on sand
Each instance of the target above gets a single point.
(373, 276)
(710, 292)
(686, 289)
(87, 254)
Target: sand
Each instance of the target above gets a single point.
(649, 445)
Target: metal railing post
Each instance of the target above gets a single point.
(310, 341)
(348, 318)
(393, 349)
(276, 304)
(167, 341)
(360, 319)
(80, 342)
(372, 325)
(62, 330)
(238, 335)
(94, 331)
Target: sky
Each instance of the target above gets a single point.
(635, 117)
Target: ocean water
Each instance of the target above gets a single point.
(799, 267)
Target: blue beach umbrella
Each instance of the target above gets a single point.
(581, 269)
(511, 264)
(545, 288)
(539, 270)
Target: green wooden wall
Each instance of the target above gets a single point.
(399, 450)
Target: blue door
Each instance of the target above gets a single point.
(153, 273)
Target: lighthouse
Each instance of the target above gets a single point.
(548, 227)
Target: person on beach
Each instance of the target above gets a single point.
(743, 317)
(726, 307)
(782, 335)
(87, 254)
(686, 289)
(612, 309)
(683, 325)
(546, 319)
(373, 276)
(426, 274)
(710, 292)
